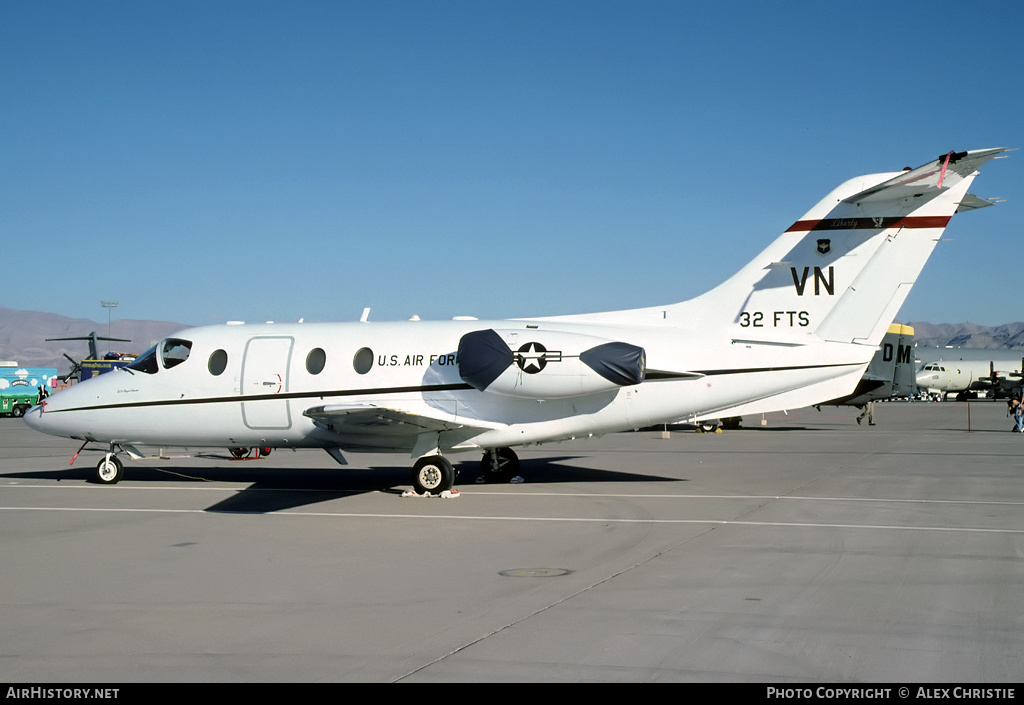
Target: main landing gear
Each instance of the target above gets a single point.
(243, 453)
(499, 465)
(435, 474)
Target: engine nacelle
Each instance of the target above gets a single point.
(538, 364)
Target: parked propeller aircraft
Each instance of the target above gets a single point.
(94, 353)
(76, 366)
(964, 370)
(794, 327)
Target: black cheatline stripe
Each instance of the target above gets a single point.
(653, 376)
(740, 371)
(265, 397)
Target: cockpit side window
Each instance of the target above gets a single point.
(146, 362)
(174, 351)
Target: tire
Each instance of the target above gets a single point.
(239, 452)
(109, 470)
(499, 465)
(433, 474)
(18, 411)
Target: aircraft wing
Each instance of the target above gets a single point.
(929, 180)
(1005, 380)
(370, 419)
(365, 426)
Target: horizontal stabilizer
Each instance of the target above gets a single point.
(929, 180)
(970, 202)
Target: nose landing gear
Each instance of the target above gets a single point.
(109, 470)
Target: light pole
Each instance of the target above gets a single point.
(108, 305)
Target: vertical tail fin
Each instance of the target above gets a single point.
(891, 368)
(904, 379)
(843, 270)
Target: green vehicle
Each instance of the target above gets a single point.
(19, 387)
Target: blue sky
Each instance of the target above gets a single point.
(209, 161)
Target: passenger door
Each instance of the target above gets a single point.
(265, 375)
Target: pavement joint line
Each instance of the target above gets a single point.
(474, 493)
(584, 520)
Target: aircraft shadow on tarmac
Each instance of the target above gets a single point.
(752, 427)
(276, 494)
(266, 489)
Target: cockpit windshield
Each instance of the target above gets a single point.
(146, 362)
(167, 354)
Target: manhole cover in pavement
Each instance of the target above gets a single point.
(535, 572)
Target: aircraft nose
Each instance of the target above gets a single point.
(34, 418)
(39, 419)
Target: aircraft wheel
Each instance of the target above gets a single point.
(109, 470)
(499, 465)
(239, 452)
(433, 474)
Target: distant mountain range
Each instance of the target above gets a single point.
(969, 335)
(23, 336)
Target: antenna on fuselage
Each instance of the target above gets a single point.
(366, 315)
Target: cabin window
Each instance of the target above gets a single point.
(218, 362)
(315, 361)
(363, 360)
(175, 351)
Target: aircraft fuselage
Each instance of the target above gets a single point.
(249, 385)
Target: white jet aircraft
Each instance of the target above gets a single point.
(796, 326)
